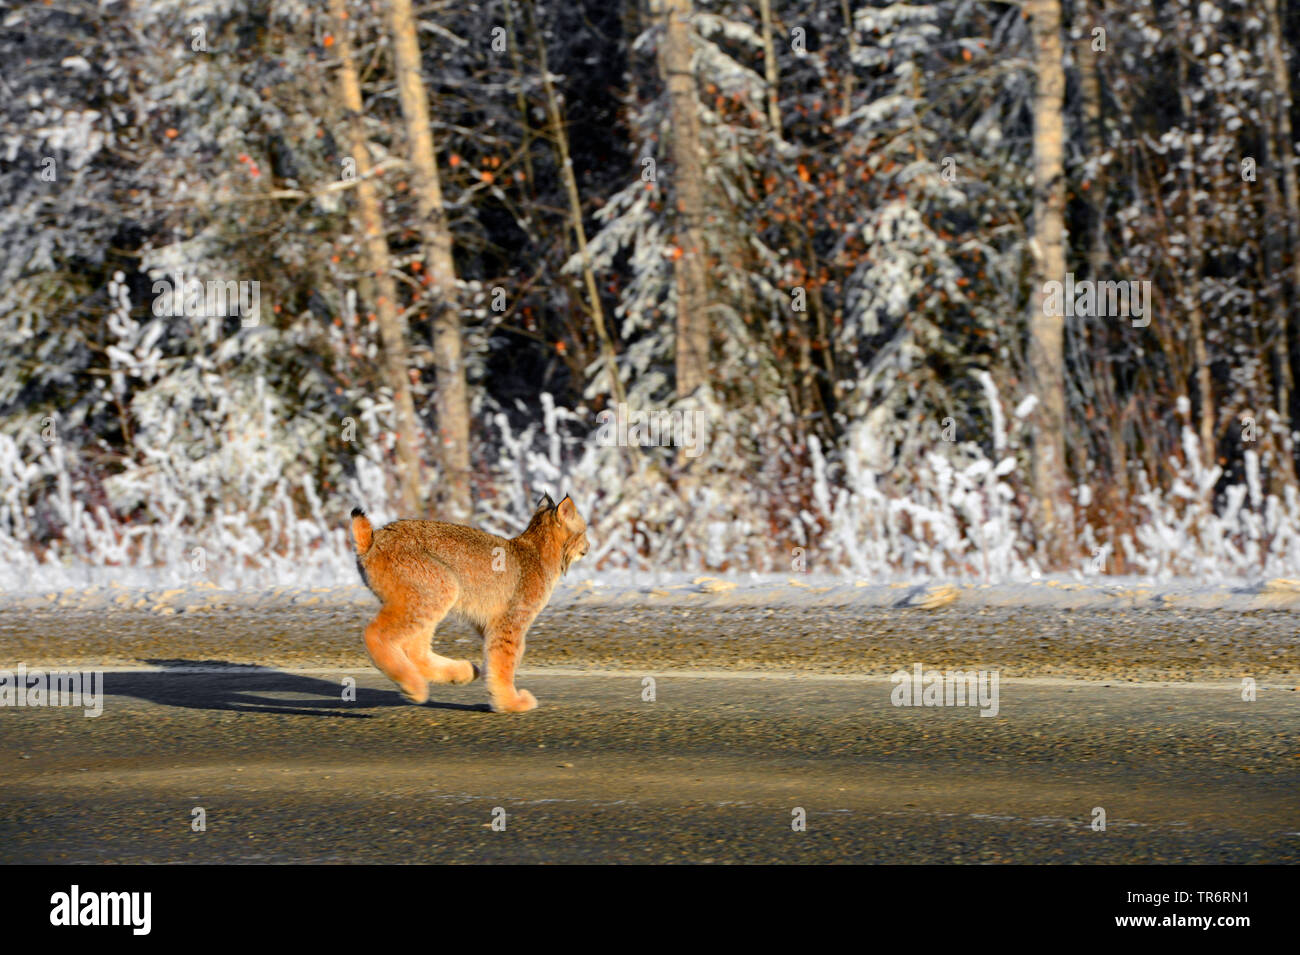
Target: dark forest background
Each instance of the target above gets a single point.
(824, 227)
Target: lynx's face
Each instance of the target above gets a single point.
(562, 524)
(573, 531)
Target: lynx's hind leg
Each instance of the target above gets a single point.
(437, 595)
(392, 627)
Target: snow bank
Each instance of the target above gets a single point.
(708, 592)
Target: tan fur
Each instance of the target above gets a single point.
(362, 533)
(423, 570)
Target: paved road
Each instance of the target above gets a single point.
(713, 770)
(640, 635)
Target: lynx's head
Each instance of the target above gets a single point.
(563, 524)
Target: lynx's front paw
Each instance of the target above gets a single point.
(522, 703)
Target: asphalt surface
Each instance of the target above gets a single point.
(1151, 645)
(757, 721)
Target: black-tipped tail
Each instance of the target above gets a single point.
(362, 532)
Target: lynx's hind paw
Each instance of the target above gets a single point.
(411, 695)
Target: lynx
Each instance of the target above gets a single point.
(423, 570)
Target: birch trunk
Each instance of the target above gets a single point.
(448, 348)
(392, 332)
(1291, 196)
(1047, 332)
(691, 275)
(769, 69)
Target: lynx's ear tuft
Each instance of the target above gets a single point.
(546, 502)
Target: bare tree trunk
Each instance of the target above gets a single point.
(830, 401)
(1291, 195)
(1101, 383)
(1094, 136)
(769, 69)
(1274, 248)
(560, 137)
(521, 101)
(693, 319)
(847, 13)
(1195, 315)
(448, 349)
(391, 327)
(1047, 332)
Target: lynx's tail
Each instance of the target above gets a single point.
(362, 532)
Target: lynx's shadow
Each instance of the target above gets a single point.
(247, 688)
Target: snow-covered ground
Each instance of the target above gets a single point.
(243, 521)
(687, 590)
